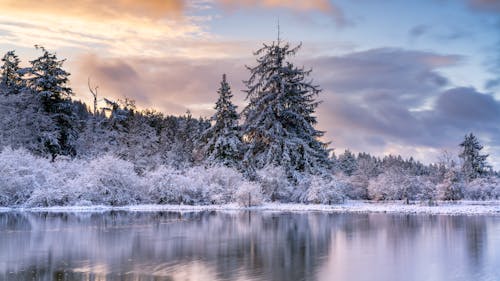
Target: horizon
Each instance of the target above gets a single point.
(405, 85)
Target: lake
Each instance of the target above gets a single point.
(247, 245)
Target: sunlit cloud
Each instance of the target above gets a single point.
(120, 27)
(324, 6)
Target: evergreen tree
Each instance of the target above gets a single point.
(49, 82)
(347, 163)
(223, 143)
(473, 163)
(11, 79)
(279, 121)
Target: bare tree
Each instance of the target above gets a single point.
(93, 91)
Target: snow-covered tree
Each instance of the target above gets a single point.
(12, 76)
(24, 124)
(452, 187)
(347, 163)
(50, 83)
(323, 190)
(279, 119)
(473, 163)
(395, 184)
(222, 142)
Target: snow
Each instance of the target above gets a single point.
(396, 207)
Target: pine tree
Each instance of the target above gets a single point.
(473, 163)
(49, 82)
(347, 163)
(279, 121)
(11, 79)
(222, 140)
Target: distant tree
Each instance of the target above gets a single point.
(452, 187)
(50, 83)
(347, 163)
(279, 119)
(12, 76)
(222, 142)
(473, 163)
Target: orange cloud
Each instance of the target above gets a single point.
(97, 8)
(324, 6)
(116, 27)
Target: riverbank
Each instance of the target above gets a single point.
(442, 208)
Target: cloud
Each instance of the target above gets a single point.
(324, 6)
(391, 100)
(490, 6)
(99, 10)
(418, 30)
(384, 75)
(169, 85)
(117, 27)
(468, 106)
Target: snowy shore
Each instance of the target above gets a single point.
(443, 208)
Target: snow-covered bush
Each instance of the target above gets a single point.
(57, 192)
(426, 190)
(394, 185)
(195, 185)
(324, 191)
(248, 194)
(452, 187)
(159, 184)
(483, 189)
(20, 174)
(108, 180)
(222, 182)
(275, 184)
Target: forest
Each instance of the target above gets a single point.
(58, 151)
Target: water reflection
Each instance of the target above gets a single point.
(247, 246)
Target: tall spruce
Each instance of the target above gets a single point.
(279, 119)
(49, 81)
(222, 141)
(473, 162)
(12, 76)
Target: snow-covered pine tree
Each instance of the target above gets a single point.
(222, 141)
(347, 163)
(473, 163)
(49, 82)
(279, 121)
(12, 76)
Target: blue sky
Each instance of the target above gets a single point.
(406, 77)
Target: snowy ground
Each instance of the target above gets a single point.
(447, 208)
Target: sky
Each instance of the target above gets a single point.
(398, 77)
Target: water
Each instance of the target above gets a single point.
(248, 246)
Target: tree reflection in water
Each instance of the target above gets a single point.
(246, 246)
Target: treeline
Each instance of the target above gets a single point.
(272, 143)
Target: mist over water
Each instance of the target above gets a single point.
(247, 246)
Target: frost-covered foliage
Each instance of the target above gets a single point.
(396, 185)
(347, 163)
(108, 180)
(483, 189)
(221, 143)
(473, 162)
(20, 174)
(452, 187)
(49, 83)
(195, 185)
(275, 184)
(324, 191)
(120, 155)
(11, 80)
(33, 181)
(249, 194)
(279, 119)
